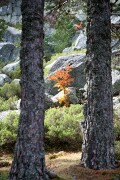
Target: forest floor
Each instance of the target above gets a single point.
(67, 166)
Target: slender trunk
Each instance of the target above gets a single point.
(29, 163)
(98, 140)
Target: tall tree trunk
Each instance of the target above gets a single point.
(98, 134)
(29, 163)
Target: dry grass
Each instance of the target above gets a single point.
(67, 166)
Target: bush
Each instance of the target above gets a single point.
(117, 150)
(62, 126)
(8, 129)
(10, 90)
(3, 27)
(10, 104)
(62, 129)
(15, 74)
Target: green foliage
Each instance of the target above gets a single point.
(8, 129)
(3, 175)
(116, 125)
(48, 47)
(3, 27)
(10, 90)
(62, 128)
(117, 150)
(9, 104)
(15, 74)
(62, 125)
(64, 32)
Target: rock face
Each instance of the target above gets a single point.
(10, 11)
(3, 79)
(116, 82)
(8, 52)
(12, 35)
(10, 67)
(78, 64)
(81, 41)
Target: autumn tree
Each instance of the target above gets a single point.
(29, 163)
(62, 80)
(98, 140)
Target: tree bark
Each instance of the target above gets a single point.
(29, 161)
(98, 133)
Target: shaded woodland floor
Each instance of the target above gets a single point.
(66, 166)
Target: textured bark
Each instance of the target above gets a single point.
(29, 163)
(98, 134)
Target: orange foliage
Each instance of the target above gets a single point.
(63, 80)
(78, 26)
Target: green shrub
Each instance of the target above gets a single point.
(10, 90)
(62, 125)
(117, 150)
(8, 129)
(62, 129)
(16, 74)
(64, 32)
(9, 104)
(3, 175)
(3, 27)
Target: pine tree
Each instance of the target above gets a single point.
(29, 160)
(98, 140)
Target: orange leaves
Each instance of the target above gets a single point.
(62, 78)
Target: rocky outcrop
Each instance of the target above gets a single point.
(3, 79)
(10, 11)
(10, 67)
(8, 51)
(116, 82)
(77, 62)
(12, 35)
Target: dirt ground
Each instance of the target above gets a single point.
(67, 167)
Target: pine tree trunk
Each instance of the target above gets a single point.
(98, 134)
(29, 163)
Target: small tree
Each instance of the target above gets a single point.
(63, 80)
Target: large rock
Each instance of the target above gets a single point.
(116, 82)
(52, 101)
(12, 35)
(78, 64)
(72, 97)
(81, 41)
(8, 52)
(3, 79)
(10, 67)
(4, 114)
(10, 11)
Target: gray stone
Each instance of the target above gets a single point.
(72, 97)
(115, 19)
(5, 113)
(50, 101)
(78, 64)
(10, 67)
(11, 11)
(116, 82)
(68, 49)
(3, 79)
(81, 41)
(16, 81)
(8, 52)
(12, 35)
